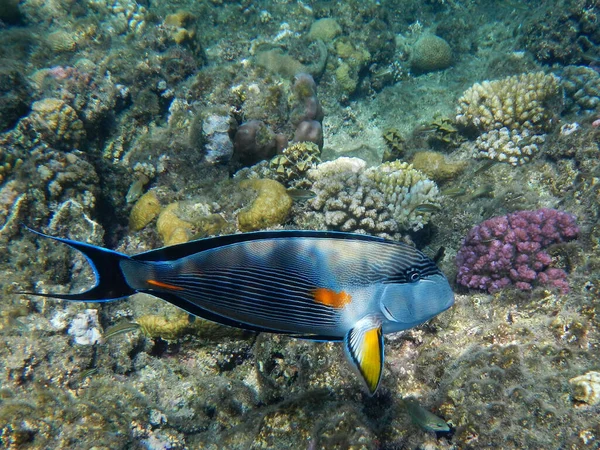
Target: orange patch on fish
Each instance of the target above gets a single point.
(329, 297)
(160, 284)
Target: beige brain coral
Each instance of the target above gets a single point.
(519, 102)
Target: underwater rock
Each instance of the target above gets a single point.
(85, 328)
(434, 165)
(430, 53)
(144, 211)
(254, 142)
(171, 328)
(309, 131)
(218, 146)
(305, 104)
(586, 388)
(14, 95)
(171, 228)
(271, 206)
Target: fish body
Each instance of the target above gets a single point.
(309, 284)
(424, 418)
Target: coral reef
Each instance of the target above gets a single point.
(382, 200)
(512, 114)
(565, 33)
(582, 89)
(517, 103)
(14, 95)
(395, 145)
(511, 146)
(270, 207)
(430, 53)
(57, 123)
(510, 249)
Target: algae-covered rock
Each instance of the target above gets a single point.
(145, 210)
(325, 29)
(430, 53)
(171, 328)
(271, 206)
(435, 166)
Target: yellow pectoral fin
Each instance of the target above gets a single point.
(364, 347)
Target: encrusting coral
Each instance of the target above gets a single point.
(145, 210)
(385, 200)
(171, 228)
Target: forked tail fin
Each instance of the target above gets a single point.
(110, 281)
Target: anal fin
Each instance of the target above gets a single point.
(364, 348)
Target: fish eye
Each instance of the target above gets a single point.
(413, 275)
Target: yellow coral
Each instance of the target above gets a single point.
(346, 78)
(145, 210)
(171, 228)
(519, 102)
(178, 26)
(435, 166)
(57, 121)
(171, 328)
(271, 206)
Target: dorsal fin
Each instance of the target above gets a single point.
(177, 251)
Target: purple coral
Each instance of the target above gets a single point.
(510, 250)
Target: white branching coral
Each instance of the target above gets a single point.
(385, 200)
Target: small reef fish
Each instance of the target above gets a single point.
(300, 195)
(427, 208)
(424, 418)
(319, 285)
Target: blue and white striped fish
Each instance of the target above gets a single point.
(316, 285)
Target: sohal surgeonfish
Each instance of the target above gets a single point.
(318, 285)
